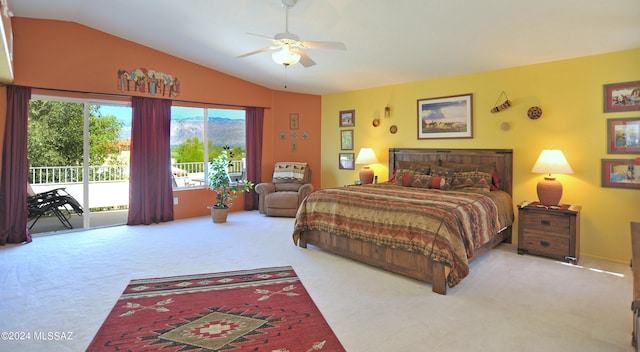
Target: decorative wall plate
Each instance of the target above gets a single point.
(393, 129)
(376, 122)
(534, 112)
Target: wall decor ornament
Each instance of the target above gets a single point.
(148, 81)
(445, 117)
(294, 121)
(620, 173)
(506, 104)
(534, 112)
(621, 96)
(347, 118)
(623, 135)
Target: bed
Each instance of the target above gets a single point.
(416, 224)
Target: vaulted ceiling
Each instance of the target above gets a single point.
(388, 42)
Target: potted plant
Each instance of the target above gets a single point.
(219, 181)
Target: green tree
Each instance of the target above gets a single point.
(191, 150)
(55, 135)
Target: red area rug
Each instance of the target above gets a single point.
(250, 310)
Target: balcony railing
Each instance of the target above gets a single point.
(39, 175)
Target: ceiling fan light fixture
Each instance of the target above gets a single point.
(286, 56)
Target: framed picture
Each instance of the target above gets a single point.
(622, 96)
(347, 118)
(345, 161)
(445, 117)
(623, 136)
(346, 140)
(620, 173)
(294, 121)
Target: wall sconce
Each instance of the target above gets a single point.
(366, 156)
(387, 111)
(551, 162)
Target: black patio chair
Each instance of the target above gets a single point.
(57, 202)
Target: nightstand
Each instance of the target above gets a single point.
(552, 232)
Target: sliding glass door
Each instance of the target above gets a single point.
(81, 146)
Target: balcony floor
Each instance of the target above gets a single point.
(51, 224)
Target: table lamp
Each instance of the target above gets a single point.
(551, 161)
(366, 156)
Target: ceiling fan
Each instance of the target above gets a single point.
(287, 47)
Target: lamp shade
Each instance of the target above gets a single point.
(286, 56)
(366, 156)
(551, 161)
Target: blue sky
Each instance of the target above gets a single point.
(124, 112)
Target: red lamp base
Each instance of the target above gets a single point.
(366, 176)
(549, 191)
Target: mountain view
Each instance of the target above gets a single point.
(221, 131)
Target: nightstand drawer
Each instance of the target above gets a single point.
(549, 223)
(545, 245)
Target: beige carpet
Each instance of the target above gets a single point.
(68, 283)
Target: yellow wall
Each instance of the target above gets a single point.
(570, 93)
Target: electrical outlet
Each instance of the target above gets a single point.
(175, 200)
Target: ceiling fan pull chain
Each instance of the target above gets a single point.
(285, 75)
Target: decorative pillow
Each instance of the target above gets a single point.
(487, 168)
(423, 181)
(422, 167)
(471, 180)
(400, 174)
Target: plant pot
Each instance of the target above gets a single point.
(219, 215)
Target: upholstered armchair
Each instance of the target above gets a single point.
(282, 196)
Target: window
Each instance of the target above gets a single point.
(194, 128)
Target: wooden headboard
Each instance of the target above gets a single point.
(502, 158)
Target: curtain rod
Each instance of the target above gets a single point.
(130, 96)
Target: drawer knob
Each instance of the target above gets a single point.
(544, 243)
(545, 222)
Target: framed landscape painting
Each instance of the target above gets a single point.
(620, 173)
(623, 135)
(346, 161)
(445, 117)
(622, 96)
(347, 118)
(346, 140)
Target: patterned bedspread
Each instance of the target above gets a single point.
(444, 225)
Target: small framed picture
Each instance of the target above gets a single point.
(622, 96)
(345, 161)
(346, 140)
(620, 173)
(445, 117)
(294, 122)
(347, 118)
(623, 135)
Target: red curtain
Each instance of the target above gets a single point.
(15, 169)
(150, 190)
(254, 122)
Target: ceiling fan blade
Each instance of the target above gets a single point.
(305, 60)
(258, 51)
(325, 45)
(260, 35)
